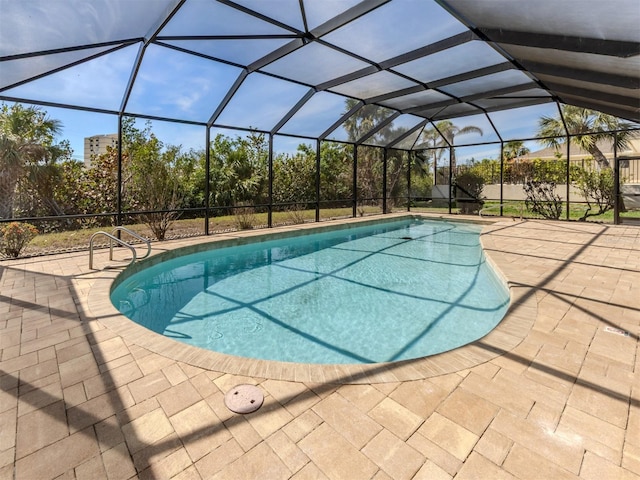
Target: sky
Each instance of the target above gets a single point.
(171, 83)
(79, 124)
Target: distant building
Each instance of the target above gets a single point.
(629, 157)
(577, 153)
(97, 145)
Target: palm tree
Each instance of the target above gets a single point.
(26, 137)
(514, 149)
(435, 144)
(449, 132)
(439, 137)
(362, 121)
(587, 128)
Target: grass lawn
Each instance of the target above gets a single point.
(576, 211)
(79, 239)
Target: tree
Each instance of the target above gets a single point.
(100, 183)
(362, 121)
(597, 188)
(421, 179)
(397, 165)
(26, 139)
(369, 174)
(439, 137)
(190, 169)
(514, 149)
(239, 170)
(449, 132)
(294, 178)
(587, 128)
(435, 145)
(370, 161)
(38, 191)
(336, 170)
(150, 182)
(469, 188)
(543, 199)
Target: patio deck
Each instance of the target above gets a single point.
(555, 393)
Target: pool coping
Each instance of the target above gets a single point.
(508, 334)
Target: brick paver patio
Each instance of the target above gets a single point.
(554, 392)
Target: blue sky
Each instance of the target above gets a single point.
(175, 84)
(311, 120)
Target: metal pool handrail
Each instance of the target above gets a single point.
(112, 238)
(132, 234)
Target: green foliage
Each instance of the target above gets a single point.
(397, 164)
(370, 160)
(336, 170)
(588, 128)
(296, 214)
(27, 152)
(245, 217)
(294, 178)
(190, 170)
(30, 126)
(421, 177)
(150, 185)
(38, 192)
(239, 170)
(539, 170)
(298, 173)
(39, 178)
(421, 186)
(469, 188)
(488, 169)
(14, 236)
(542, 199)
(598, 190)
(100, 187)
(514, 149)
(438, 139)
(369, 173)
(536, 170)
(364, 120)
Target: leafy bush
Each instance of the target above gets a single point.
(245, 217)
(295, 214)
(539, 170)
(488, 169)
(14, 236)
(469, 188)
(542, 199)
(597, 188)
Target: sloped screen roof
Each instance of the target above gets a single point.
(301, 67)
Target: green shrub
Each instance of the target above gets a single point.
(296, 214)
(597, 188)
(14, 236)
(542, 199)
(245, 217)
(469, 188)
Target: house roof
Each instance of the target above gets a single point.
(632, 150)
(306, 67)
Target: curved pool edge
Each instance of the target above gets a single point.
(508, 334)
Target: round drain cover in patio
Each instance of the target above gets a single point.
(244, 399)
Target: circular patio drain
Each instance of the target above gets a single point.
(244, 399)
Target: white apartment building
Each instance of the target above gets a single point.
(97, 145)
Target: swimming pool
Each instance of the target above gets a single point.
(378, 293)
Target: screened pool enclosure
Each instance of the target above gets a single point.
(276, 111)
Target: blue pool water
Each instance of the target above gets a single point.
(392, 291)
